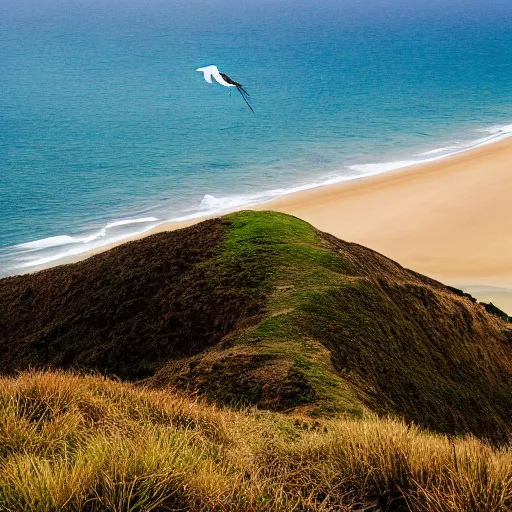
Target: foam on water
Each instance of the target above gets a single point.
(440, 150)
(43, 261)
(52, 241)
(103, 231)
(56, 241)
(46, 250)
(370, 169)
(497, 134)
(498, 129)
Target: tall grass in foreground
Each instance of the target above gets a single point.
(87, 443)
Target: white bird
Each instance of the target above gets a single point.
(210, 72)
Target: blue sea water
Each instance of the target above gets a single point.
(106, 129)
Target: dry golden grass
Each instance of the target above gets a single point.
(71, 442)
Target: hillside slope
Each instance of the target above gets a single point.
(261, 308)
(73, 443)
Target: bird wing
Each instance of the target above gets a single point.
(208, 71)
(218, 77)
(212, 71)
(229, 80)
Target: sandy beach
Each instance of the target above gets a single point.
(448, 219)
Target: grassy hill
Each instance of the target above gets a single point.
(260, 308)
(326, 377)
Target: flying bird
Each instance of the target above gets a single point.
(210, 72)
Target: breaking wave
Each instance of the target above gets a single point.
(46, 250)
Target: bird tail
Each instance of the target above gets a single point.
(244, 93)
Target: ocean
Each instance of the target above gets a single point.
(107, 129)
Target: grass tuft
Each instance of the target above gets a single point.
(88, 443)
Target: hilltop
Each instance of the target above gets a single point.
(260, 308)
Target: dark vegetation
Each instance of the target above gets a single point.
(461, 293)
(127, 311)
(489, 307)
(260, 308)
(494, 310)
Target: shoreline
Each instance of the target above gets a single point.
(445, 218)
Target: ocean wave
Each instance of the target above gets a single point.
(441, 150)
(496, 134)
(210, 202)
(127, 222)
(57, 241)
(102, 233)
(52, 241)
(498, 129)
(47, 250)
(75, 251)
(377, 168)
